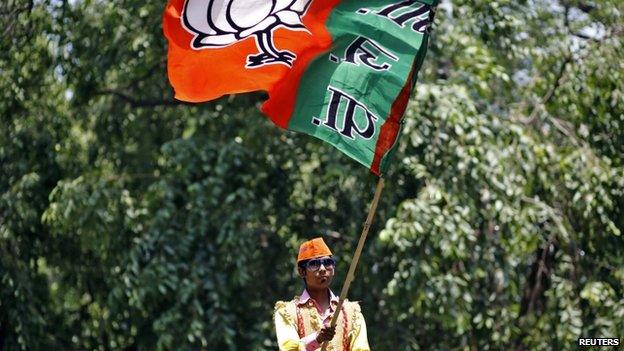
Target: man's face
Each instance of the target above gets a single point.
(318, 279)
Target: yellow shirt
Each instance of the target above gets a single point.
(286, 329)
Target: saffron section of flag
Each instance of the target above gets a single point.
(354, 96)
(219, 47)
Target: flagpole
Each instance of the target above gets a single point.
(358, 252)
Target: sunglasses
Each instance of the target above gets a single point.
(315, 264)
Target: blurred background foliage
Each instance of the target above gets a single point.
(131, 221)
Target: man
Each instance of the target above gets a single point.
(303, 323)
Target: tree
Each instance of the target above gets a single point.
(131, 221)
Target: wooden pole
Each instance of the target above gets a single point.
(358, 252)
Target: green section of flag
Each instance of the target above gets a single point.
(345, 96)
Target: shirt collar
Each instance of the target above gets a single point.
(305, 297)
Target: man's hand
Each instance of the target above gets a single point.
(325, 334)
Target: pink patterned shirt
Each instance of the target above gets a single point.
(310, 340)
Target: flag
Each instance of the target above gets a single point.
(342, 71)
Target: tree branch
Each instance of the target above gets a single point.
(586, 37)
(147, 74)
(559, 78)
(134, 102)
(13, 16)
(542, 269)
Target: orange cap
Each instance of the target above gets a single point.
(312, 249)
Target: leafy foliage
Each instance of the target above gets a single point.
(131, 221)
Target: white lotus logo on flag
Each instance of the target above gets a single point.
(219, 23)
